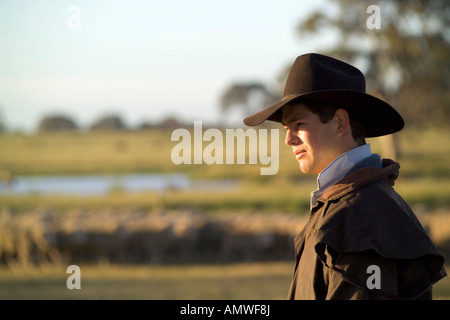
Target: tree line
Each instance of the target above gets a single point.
(406, 61)
(57, 122)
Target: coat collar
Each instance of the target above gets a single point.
(357, 179)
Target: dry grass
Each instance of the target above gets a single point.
(235, 281)
(84, 152)
(254, 281)
(26, 238)
(423, 152)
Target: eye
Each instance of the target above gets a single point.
(294, 125)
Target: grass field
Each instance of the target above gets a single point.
(422, 153)
(424, 176)
(246, 281)
(249, 281)
(424, 182)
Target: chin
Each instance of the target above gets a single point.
(308, 169)
(304, 169)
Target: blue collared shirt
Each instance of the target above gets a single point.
(336, 170)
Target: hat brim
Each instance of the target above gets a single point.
(377, 116)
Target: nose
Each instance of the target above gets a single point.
(292, 138)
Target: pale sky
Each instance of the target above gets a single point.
(143, 60)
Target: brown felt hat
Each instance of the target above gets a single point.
(321, 78)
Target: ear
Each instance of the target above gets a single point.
(343, 122)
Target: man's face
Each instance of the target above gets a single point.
(312, 142)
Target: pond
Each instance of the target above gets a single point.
(102, 184)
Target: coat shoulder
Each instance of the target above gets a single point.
(375, 217)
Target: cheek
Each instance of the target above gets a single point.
(311, 141)
(317, 144)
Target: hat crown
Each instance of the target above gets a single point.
(328, 80)
(316, 72)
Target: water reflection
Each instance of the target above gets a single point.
(103, 184)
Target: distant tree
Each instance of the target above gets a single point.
(406, 58)
(108, 122)
(2, 122)
(145, 125)
(169, 123)
(57, 123)
(249, 97)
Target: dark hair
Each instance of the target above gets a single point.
(326, 112)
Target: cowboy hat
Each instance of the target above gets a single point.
(321, 78)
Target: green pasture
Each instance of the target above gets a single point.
(424, 182)
(277, 196)
(235, 281)
(424, 156)
(422, 153)
(249, 281)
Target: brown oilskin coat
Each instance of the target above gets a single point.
(360, 222)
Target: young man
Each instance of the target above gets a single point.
(362, 241)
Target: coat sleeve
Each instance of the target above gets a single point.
(366, 276)
(374, 226)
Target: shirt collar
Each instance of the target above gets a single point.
(337, 169)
